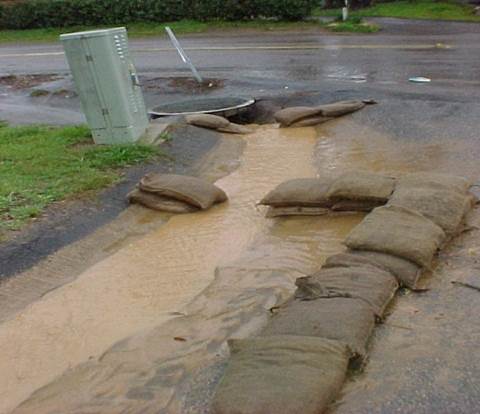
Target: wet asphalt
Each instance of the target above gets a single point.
(309, 67)
(266, 64)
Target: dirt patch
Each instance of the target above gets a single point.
(19, 82)
(64, 93)
(184, 84)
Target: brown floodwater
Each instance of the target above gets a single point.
(180, 292)
(147, 282)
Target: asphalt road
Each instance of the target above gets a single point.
(440, 118)
(271, 63)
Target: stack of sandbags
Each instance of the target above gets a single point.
(301, 196)
(176, 193)
(352, 191)
(424, 210)
(360, 191)
(217, 123)
(304, 116)
(342, 301)
(281, 374)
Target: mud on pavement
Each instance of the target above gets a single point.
(176, 363)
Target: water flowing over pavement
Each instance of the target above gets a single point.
(423, 359)
(145, 283)
(174, 363)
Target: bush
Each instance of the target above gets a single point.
(31, 14)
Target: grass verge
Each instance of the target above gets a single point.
(40, 165)
(421, 9)
(352, 25)
(139, 30)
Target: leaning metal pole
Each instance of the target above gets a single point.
(183, 55)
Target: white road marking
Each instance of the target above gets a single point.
(249, 48)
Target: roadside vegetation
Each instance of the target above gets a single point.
(40, 165)
(353, 24)
(421, 9)
(149, 29)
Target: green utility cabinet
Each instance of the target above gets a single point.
(107, 83)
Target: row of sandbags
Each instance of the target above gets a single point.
(352, 191)
(299, 362)
(297, 116)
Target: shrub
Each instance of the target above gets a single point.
(63, 13)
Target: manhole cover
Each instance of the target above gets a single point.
(228, 106)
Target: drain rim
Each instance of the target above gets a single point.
(230, 109)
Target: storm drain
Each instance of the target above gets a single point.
(223, 106)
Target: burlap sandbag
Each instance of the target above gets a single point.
(322, 113)
(406, 272)
(356, 205)
(305, 192)
(191, 190)
(288, 116)
(443, 204)
(160, 203)
(273, 212)
(312, 121)
(400, 232)
(370, 284)
(281, 375)
(361, 185)
(350, 321)
(208, 121)
(437, 180)
(340, 108)
(232, 128)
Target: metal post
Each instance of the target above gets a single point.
(183, 55)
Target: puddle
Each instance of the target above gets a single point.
(148, 281)
(180, 292)
(17, 82)
(349, 145)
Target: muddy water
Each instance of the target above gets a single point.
(347, 144)
(147, 282)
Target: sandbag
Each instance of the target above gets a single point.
(159, 203)
(273, 212)
(372, 285)
(340, 108)
(356, 205)
(361, 185)
(436, 180)
(312, 121)
(288, 116)
(317, 114)
(445, 205)
(305, 192)
(350, 321)
(191, 190)
(232, 128)
(281, 375)
(406, 272)
(208, 121)
(400, 232)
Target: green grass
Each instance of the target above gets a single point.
(139, 30)
(352, 25)
(422, 9)
(40, 165)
